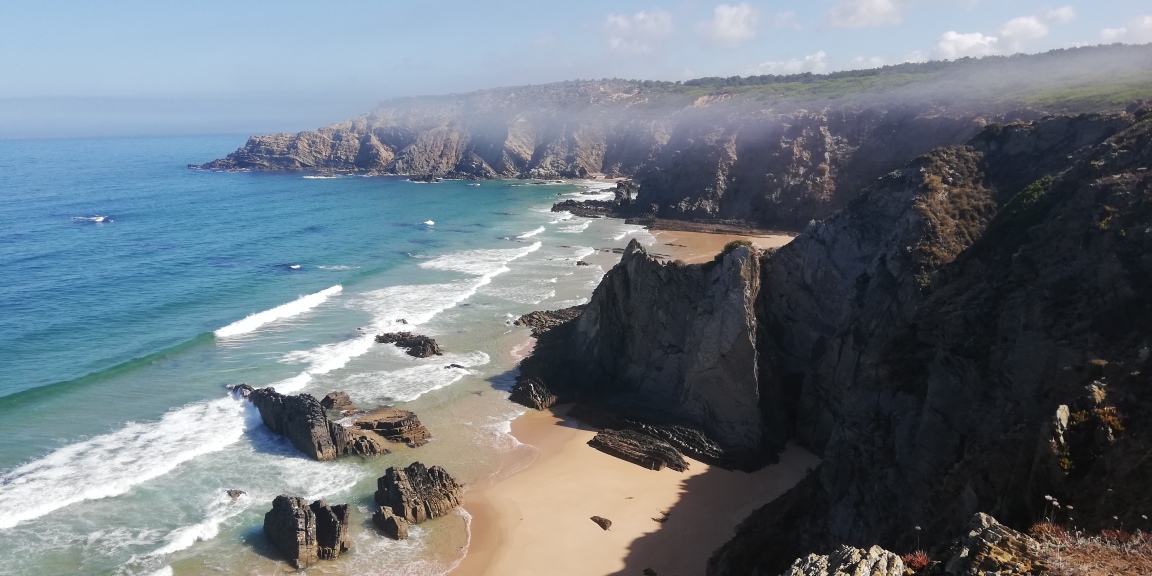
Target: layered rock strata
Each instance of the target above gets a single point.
(392, 525)
(302, 420)
(418, 493)
(639, 448)
(395, 425)
(542, 321)
(307, 533)
(415, 344)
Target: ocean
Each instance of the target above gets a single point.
(119, 335)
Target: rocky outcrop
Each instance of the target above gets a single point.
(415, 344)
(337, 401)
(639, 448)
(395, 425)
(418, 493)
(307, 533)
(392, 525)
(989, 547)
(545, 320)
(302, 420)
(533, 394)
(849, 561)
(687, 441)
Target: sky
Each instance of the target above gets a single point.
(119, 67)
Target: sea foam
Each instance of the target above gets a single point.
(294, 308)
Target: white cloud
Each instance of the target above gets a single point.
(640, 33)
(785, 19)
(731, 24)
(1138, 31)
(865, 13)
(817, 62)
(871, 62)
(953, 45)
(1061, 15)
(1017, 31)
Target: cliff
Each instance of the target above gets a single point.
(773, 151)
(968, 334)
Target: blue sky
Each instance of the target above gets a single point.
(211, 66)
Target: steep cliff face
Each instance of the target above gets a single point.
(924, 339)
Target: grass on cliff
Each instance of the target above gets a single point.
(1108, 552)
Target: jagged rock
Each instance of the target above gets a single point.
(418, 493)
(992, 548)
(532, 393)
(416, 345)
(543, 321)
(461, 367)
(639, 448)
(391, 524)
(395, 425)
(234, 493)
(302, 420)
(689, 441)
(602, 522)
(307, 533)
(849, 561)
(582, 263)
(337, 401)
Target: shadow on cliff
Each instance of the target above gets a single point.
(711, 504)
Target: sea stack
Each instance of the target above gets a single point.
(418, 493)
(307, 533)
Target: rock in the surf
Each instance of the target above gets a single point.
(337, 401)
(234, 493)
(416, 345)
(391, 524)
(418, 493)
(639, 448)
(307, 533)
(395, 425)
(302, 420)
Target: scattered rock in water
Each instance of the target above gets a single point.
(455, 366)
(395, 425)
(418, 493)
(307, 533)
(337, 401)
(302, 420)
(582, 263)
(639, 448)
(542, 321)
(533, 394)
(401, 321)
(416, 345)
(392, 525)
(234, 493)
(602, 522)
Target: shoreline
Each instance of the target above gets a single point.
(535, 517)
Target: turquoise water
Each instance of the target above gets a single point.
(117, 437)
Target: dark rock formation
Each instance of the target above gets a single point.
(337, 401)
(533, 394)
(688, 441)
(545, 320)
(418, 493)
(234, 493)
(395, 425)
(302, 420)
(389, 523)
(305, 533)
(639, 448)
(416, 345)
(602, 522)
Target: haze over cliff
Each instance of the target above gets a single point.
(769, 150)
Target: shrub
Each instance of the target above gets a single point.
(916, 561)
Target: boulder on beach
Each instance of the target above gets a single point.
(418, 493)
(533, 394)
(640, 449)
(307, 533)
(415, 344)
(602, 522)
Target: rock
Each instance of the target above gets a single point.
(418, 493)
(992, 548)
(305, 533)
(602, 522)
(582, 263)
(543, 321)
(395, 425)
(391, 524)
(532, 393)
(456, 366)
(849, 561)
(302, 420)
(416, 345)
(639, 448)
(234, 493)
(689, 441)
(337, 401)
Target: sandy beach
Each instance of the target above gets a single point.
(538, 520)
(694, 247)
